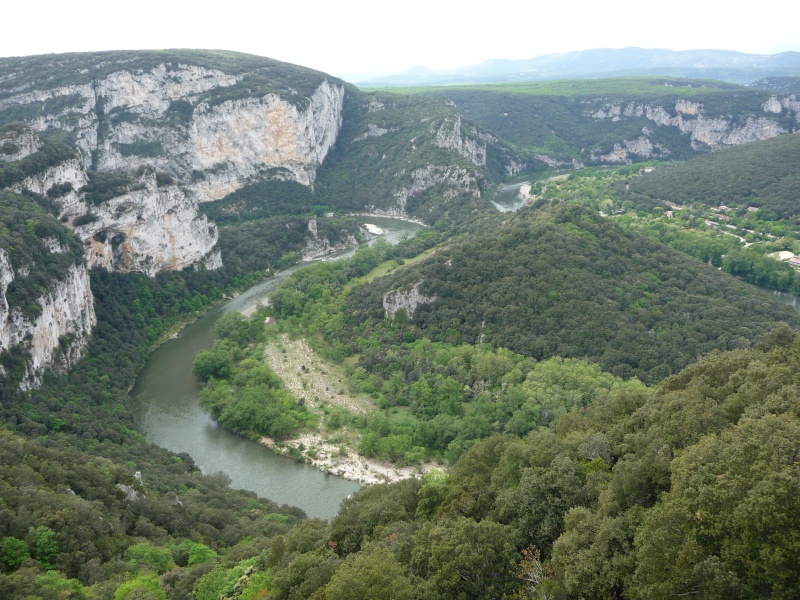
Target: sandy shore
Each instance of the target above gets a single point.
(308, 378)
(321, 385)
(374, 229)
(390, 216)
(328, 457)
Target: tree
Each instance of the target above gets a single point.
(43, 542)
(729, 525)
(460, 558)
(374, 574)
(13, 553)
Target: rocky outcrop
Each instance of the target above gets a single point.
(375, 105)
(149, 230)
(687, 107)
(689, 117)
(409, 300)
(717, 132)
(59, 333)
(773, 105)
(16, 144)
(514, 167)
(152, 92)
(550, 161)
(450, 136)
(641, 148)
(372, 131)
(793, 104)
(161, 118)
(456, 179)
(157, 117)
(68, 177)
(237, 140)
(225, 146)
(317, 246)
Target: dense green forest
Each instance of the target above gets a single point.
(443, 387)
(575, 507)
(685, 490)
(739, 239)
(761, 174)
(563, 281)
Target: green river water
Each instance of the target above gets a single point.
(165, 399)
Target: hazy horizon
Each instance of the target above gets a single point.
(357, 37)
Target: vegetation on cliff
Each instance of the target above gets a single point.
(555, 118)
(39, 250)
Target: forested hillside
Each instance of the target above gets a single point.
(563, 281)
(762, 174)
(585, 120)
(685, 491)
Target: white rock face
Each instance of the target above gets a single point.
(690, 118)
(513, 167)
(375, 105)
(372, 131)
(431, 175)
(234, 141)
(792, 103)
(67, 310)
(641, 147)
(773, 105)
(451, 137)
(240, 138)
(716, 132)
(317, 246)
(409, 300)
(70, 172)
(148, 231)
(152, 92)
(26, 141)
(687, 107)
(550, 161)
(230, 144)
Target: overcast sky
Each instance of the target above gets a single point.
(353, 36)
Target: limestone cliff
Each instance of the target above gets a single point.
(640, 148)
(318, 245)
(213, 130)
(149, 230)
(18, 142)
(456, 179)
(689, 117)
(450, 135)
(238, 140)
(408, 300)
(162, 117)
(59, 333)
(68, 177)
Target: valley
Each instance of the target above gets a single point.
(469, 341)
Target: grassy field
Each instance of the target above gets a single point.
(652, 87)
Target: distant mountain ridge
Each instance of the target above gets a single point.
(727, 65)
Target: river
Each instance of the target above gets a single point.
(508, 198)
(168, 412)
(783, 297)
